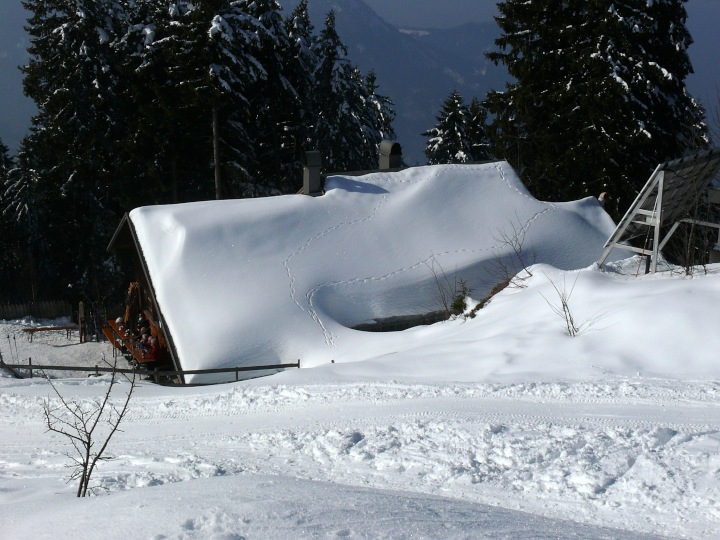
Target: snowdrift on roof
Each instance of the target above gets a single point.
(264, 281)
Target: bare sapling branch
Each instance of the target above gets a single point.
(448, 294)
(562, 309)
(84, 424)
(512, 269)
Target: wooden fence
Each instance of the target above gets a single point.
(156, 373)
(43, 310)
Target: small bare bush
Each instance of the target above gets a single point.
(562, 307)
(513, 269)
(86, 424)
(449, 294)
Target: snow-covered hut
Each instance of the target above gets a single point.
(281, 279)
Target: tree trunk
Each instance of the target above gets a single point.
(216, 153)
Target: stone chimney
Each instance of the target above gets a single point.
(312, 182)
(390, 155)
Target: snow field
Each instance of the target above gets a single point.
(497, 426)
(626, 452)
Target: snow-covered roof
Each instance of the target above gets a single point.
(272, 280)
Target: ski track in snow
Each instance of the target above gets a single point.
(592, 448)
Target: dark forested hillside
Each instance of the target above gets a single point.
(149, 102)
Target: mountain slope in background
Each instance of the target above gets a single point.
(417, 69)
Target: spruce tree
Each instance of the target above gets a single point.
(10, 250)
(144, 101)
(71, 78)
(18, 262)
(161, 129)
(449, 141)
(190, 67)
(477, 131)
(200, 89)
(299, 70)
(245, 38)
(379, 114)
(343, 132)
(5, 161)
(274, 101)
(599, 96)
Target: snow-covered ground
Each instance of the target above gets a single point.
(497, 426)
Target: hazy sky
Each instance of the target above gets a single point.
(434, 13)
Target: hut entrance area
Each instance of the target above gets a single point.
(137, 334)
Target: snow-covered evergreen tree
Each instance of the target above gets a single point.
(299, 70)
(342, 132)
(241, 36)
(449, 141)
(141, 101)
(477, 131)
(599, 96)
(379, 114)
(167, 74)
(71, 78)
(274, 100)
(5, 162)
(16, 265)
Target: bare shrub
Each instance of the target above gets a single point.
(85, 424)
(499, 287)
(562, 308)
(449, 294)
(514, 269)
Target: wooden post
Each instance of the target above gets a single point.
(658, 221)
(312, 181)
(81, 321)
(30, 364)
